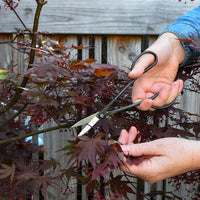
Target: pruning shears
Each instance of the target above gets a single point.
(91, 120)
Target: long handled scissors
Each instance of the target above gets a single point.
(93, 119)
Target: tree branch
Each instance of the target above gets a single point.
(69, 124)
(40, 4)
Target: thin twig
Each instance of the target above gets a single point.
(26, 28)
(14, 116)
(11, 7)
(10, 41)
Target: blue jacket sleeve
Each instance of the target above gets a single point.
(185, 27)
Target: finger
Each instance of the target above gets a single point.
(163, 96)
(123, 138)
(144, 149)
(132, 135)
(145, 105)
(181, 83)
(138, 92)
(168, 93)
(136, 166)
(142, 63)
(176, 88)
(140, 95)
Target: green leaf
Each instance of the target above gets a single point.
(3, 74)
(7, 171)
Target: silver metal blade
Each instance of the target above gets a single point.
(89, 125)
(85, 120)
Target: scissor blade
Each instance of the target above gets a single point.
(89, 125)
(85, 120)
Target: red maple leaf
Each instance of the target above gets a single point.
(90, 148)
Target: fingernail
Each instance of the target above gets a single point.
(125, 148)
(132, 72)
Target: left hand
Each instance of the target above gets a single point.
(159, 159)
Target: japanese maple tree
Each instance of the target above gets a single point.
(60, 88)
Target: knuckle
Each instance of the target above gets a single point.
(135, 150)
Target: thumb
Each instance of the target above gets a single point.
(142, 63)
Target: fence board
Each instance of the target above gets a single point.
(56, 140)
(6, 52)
(122, 49)
(53, 141)
(98, 48)
(20, 58)
(85, 42)
(98, 17)
(70, 40)
(120, 52)
(119, 21)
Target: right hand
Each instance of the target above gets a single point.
(159, 79)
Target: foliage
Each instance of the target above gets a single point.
(60, 88)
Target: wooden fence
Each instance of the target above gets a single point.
(118, 30)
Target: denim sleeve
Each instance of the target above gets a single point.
(185, 27)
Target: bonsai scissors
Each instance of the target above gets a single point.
(93, 119)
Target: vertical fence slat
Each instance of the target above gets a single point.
(152, 38)
(55, 140)
(20, 58)
(70, 40)
(98, 48)
(6, 52)
(122, 49)
(85, 55)
(85, 42)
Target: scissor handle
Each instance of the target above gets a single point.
(146, 69)
(105, 111)
(141, 54)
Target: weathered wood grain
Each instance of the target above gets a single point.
(98, 48)
(6, 52)
(122, 49)
(98, 17)
(56, 140)
(85, 42)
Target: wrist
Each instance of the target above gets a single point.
(195, 154)
(175, 45)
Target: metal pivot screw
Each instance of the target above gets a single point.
(101, 115)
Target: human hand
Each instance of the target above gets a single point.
(160, 79)
(159, 159)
